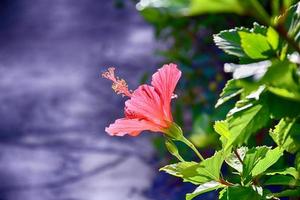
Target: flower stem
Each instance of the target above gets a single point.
(192, 146)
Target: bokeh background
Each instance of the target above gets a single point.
(54, 105)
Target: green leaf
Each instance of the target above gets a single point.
(233, 161)
(291, 109)
(197, 173)
(177, 169)
(270, 158)
(230, 41)
(282, 79)
(288, 193)
(255, 45)
(222, 128)
(206, 171)
(246, 122)
(220, 6)
(252, 157)
(205, 187)
(282, 135)
(282, 180)
(230, 90)
(288, 171)
(273, 38)
(239, 192)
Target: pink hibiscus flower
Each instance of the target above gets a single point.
(149, 106)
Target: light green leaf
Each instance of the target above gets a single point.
(230, 90)
(206, 187)
(239, 192)
(197, 173)
(273, 38)
(255, 45)
(206, 171)
(177, 168)
(270, 158)
(220, 6)
(222, 128)
(193, 7)
(288, 171)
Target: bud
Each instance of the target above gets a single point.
(173, 149)
(174, 132)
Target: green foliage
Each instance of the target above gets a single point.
(265, 87)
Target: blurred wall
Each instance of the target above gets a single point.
(54, 107)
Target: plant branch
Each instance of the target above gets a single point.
(284, 34)
(238, 156)
(224, 182)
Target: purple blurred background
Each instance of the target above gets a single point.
(54, 107)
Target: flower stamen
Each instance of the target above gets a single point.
(119, 85)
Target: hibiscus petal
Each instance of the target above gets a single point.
(145, 103)
(132, 127)
(165, 81)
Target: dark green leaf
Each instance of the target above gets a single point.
(288, 171)
(230, 90)
(252, 157)
(282, 180)
(282, 79)
(239, 192)
(288, 193)
(230, 42)
(246, 122)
